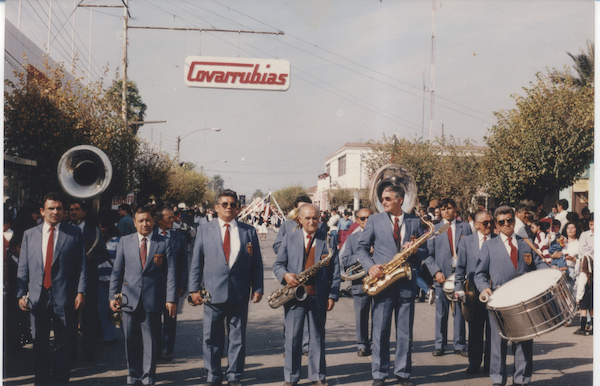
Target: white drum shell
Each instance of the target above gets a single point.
(541, 314)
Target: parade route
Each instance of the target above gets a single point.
(560, 358)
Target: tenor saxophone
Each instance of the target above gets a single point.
(287, 293)
(399, 267)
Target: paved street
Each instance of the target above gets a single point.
(560, 358)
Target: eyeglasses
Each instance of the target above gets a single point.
(509, 221)
(485, 223)
(363, 218)
(387, 198)
(230, 204)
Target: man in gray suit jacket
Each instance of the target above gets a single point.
(501, 260)
(300, 251)
(362, 301)
(468, 255)
(144, 273)
(441, 263)
(228, 262)
(389, 233)
(51, 283)
(178, 244)
(289, 225)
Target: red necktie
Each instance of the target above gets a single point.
(450, 240)
(143, 252)
(514, 256)
(484, 238)
(396, 230)
(227, 243)
(164, 233)
(309, 237)
(49, 258)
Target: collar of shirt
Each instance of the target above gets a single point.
(480, 236)
(400, 219)
(46, 236)
(312, 236)
(81, 225)
(505, 241)
(232, 224)
(452, 223)
(160, 232)
(148, 237)
(46, 228)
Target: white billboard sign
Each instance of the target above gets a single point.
(238, 73)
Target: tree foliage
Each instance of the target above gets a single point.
(184, 185)
(340, 197)
(543, 144)
(440, 168)
(152, 169)
(46, 114)
(257, 193)
(136, 108)
(286, 196)
(584, 66)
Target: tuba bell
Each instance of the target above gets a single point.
(84, 172)
(393, 174)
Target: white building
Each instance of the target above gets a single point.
(344, 169)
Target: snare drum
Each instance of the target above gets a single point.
(532, 304)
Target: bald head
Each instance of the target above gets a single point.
(309, 218)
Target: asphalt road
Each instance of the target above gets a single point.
(560, 358)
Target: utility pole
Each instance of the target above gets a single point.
(124, 85)
(431, 109)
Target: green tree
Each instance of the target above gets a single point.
(285, 197)
(257, 193)
(216, 183)
(543, 144)
(136, 108)
(46, 114)
(184, 185)
(584, 66)
(152, 169)
(340, 197)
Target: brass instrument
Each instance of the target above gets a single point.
(287, 293)
(295, 215)
(353, 272)
(206, 298)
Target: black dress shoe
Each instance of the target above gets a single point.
(363, 352)
(320, 383)
(472, 370)
(166, 357)
(234, 383)
(290, 383)
(404, 381)
(437, 352)
(378, 382)
(462, 353)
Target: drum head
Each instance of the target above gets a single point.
(524, 288)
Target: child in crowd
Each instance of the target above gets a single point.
(556, 243)
(585, 292)
(540, 241)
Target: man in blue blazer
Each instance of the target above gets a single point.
(468, 255)
(165, 218)
(51, 283)
(501, 260)
(300, 251)
(228, 262)
(288, 226)
(441, 263)
(144, 273)
(362, 301)
(389, 233)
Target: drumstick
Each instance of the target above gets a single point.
(533, 247)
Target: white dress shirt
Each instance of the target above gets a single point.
(481, 236)
(520, 228)
(140, 238)
(400, 225)
(505, 241)
(234, 239)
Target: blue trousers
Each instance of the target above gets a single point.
(109, 330)
(478, 328)
(294, 320)
(442, 305)
(362, 311)
(523, 352)
(236, 315)
(141, 329)
(384, 306)
(166, 343)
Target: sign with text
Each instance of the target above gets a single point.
(116, 201)
(238, 73)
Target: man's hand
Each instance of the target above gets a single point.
(556, 255)
(460, 296)
(172, 308)
(487, 291)
(79, 301)
(439, 277)
(196, 298)
(256, 297)
(180, 292)
(330, 304)
(23, 304)
(407, 244)
(375, 271)
(115, 304)
(291, 279)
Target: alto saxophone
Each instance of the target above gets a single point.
(287, 293)
(399, 267)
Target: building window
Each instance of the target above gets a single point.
(342, 166)
(328, 169)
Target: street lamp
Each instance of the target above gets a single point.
(192, 132)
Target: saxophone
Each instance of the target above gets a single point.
(399, 267)
(287, 293)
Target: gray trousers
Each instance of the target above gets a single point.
(141, 329)
(442, 311)
(362, 311)
(523, 352)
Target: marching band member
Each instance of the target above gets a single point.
(300, 251)
(388, 233)
(228, 261)
(441, 263)
(362, 301)
(468, 254)
(500, 260)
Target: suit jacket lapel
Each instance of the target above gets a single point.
(216, 234)
(504, 252)
(62, 237)
(134, 247)
(243, 243)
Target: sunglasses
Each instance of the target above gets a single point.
(363, 218)
(230, 204)
(387, 198)
(509, 221)
(485, 223)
